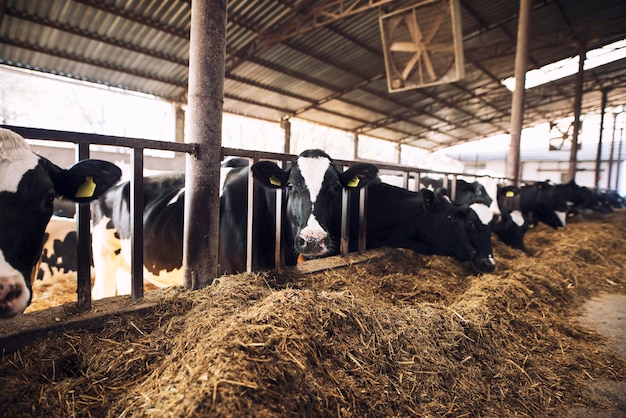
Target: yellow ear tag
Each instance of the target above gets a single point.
(274, 181)
(87, 188)
(510, 193)
(354, 182)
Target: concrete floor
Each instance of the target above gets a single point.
(607, 315)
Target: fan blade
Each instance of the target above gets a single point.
(436, 25)
(429, 66)
(410, 66)
(414, 29)
(403, 47)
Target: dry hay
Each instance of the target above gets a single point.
(404, 335)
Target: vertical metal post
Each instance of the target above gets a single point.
(605, 94)
(83, 245)
(207, 48)
(612, 150)
(136, 224)
(286, 125)
(578, 100)
(362, 220)
(249, 218)
(344, 247)
(517, 106)
(619, 158)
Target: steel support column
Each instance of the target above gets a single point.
(605, 96)
(578, 101)
(517, 106)
(204, 122)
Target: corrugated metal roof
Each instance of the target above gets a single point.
(282, 63)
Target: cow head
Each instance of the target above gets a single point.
(313, 185)
(28, 186)
(479, 221)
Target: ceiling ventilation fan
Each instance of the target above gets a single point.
(422, 45)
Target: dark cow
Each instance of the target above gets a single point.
(313, 187)
(583, 198)
(422, 221)
(511, 226)
(543, 202)
(28, 186)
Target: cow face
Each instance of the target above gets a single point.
(511, 228)
(28, 186)
(313, 185)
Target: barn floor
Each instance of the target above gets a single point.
(399, 335)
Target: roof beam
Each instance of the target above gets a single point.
(81, 59)
(93, 36)
(125, 14)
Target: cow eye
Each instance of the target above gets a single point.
(49, 200)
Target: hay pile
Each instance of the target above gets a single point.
(403, 335)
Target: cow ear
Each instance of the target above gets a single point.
(270, 175)
(359, 175)
(85, 180)
(428, 197)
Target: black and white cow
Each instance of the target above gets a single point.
(28, 186)
(58, 254)
(543, 202)
(422, 221)
(163, 235)
(313, 186)
(313, 201)
(583, 198)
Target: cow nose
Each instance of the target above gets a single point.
(13, 297)
(485, 264)
(311, 246)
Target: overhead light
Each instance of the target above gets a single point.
(569, 66)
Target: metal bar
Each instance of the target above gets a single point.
(344, 247)
(83, 244)
(136, 224)
(362, 245)
(249, 220)
(96, 139)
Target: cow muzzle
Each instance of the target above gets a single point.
(484, 264)
(312, 245)
(14, 295)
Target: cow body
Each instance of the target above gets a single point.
(163, 232)
(543, 202)
(422, 221)
(28, 186)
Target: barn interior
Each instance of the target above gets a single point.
(509, 341)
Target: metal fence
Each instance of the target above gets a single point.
(410, 179)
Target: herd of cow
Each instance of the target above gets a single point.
(427, 221)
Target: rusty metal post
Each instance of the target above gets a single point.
(578, 101)
(517, 106)
(611, 152)
(207, 48)
(605, 94)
